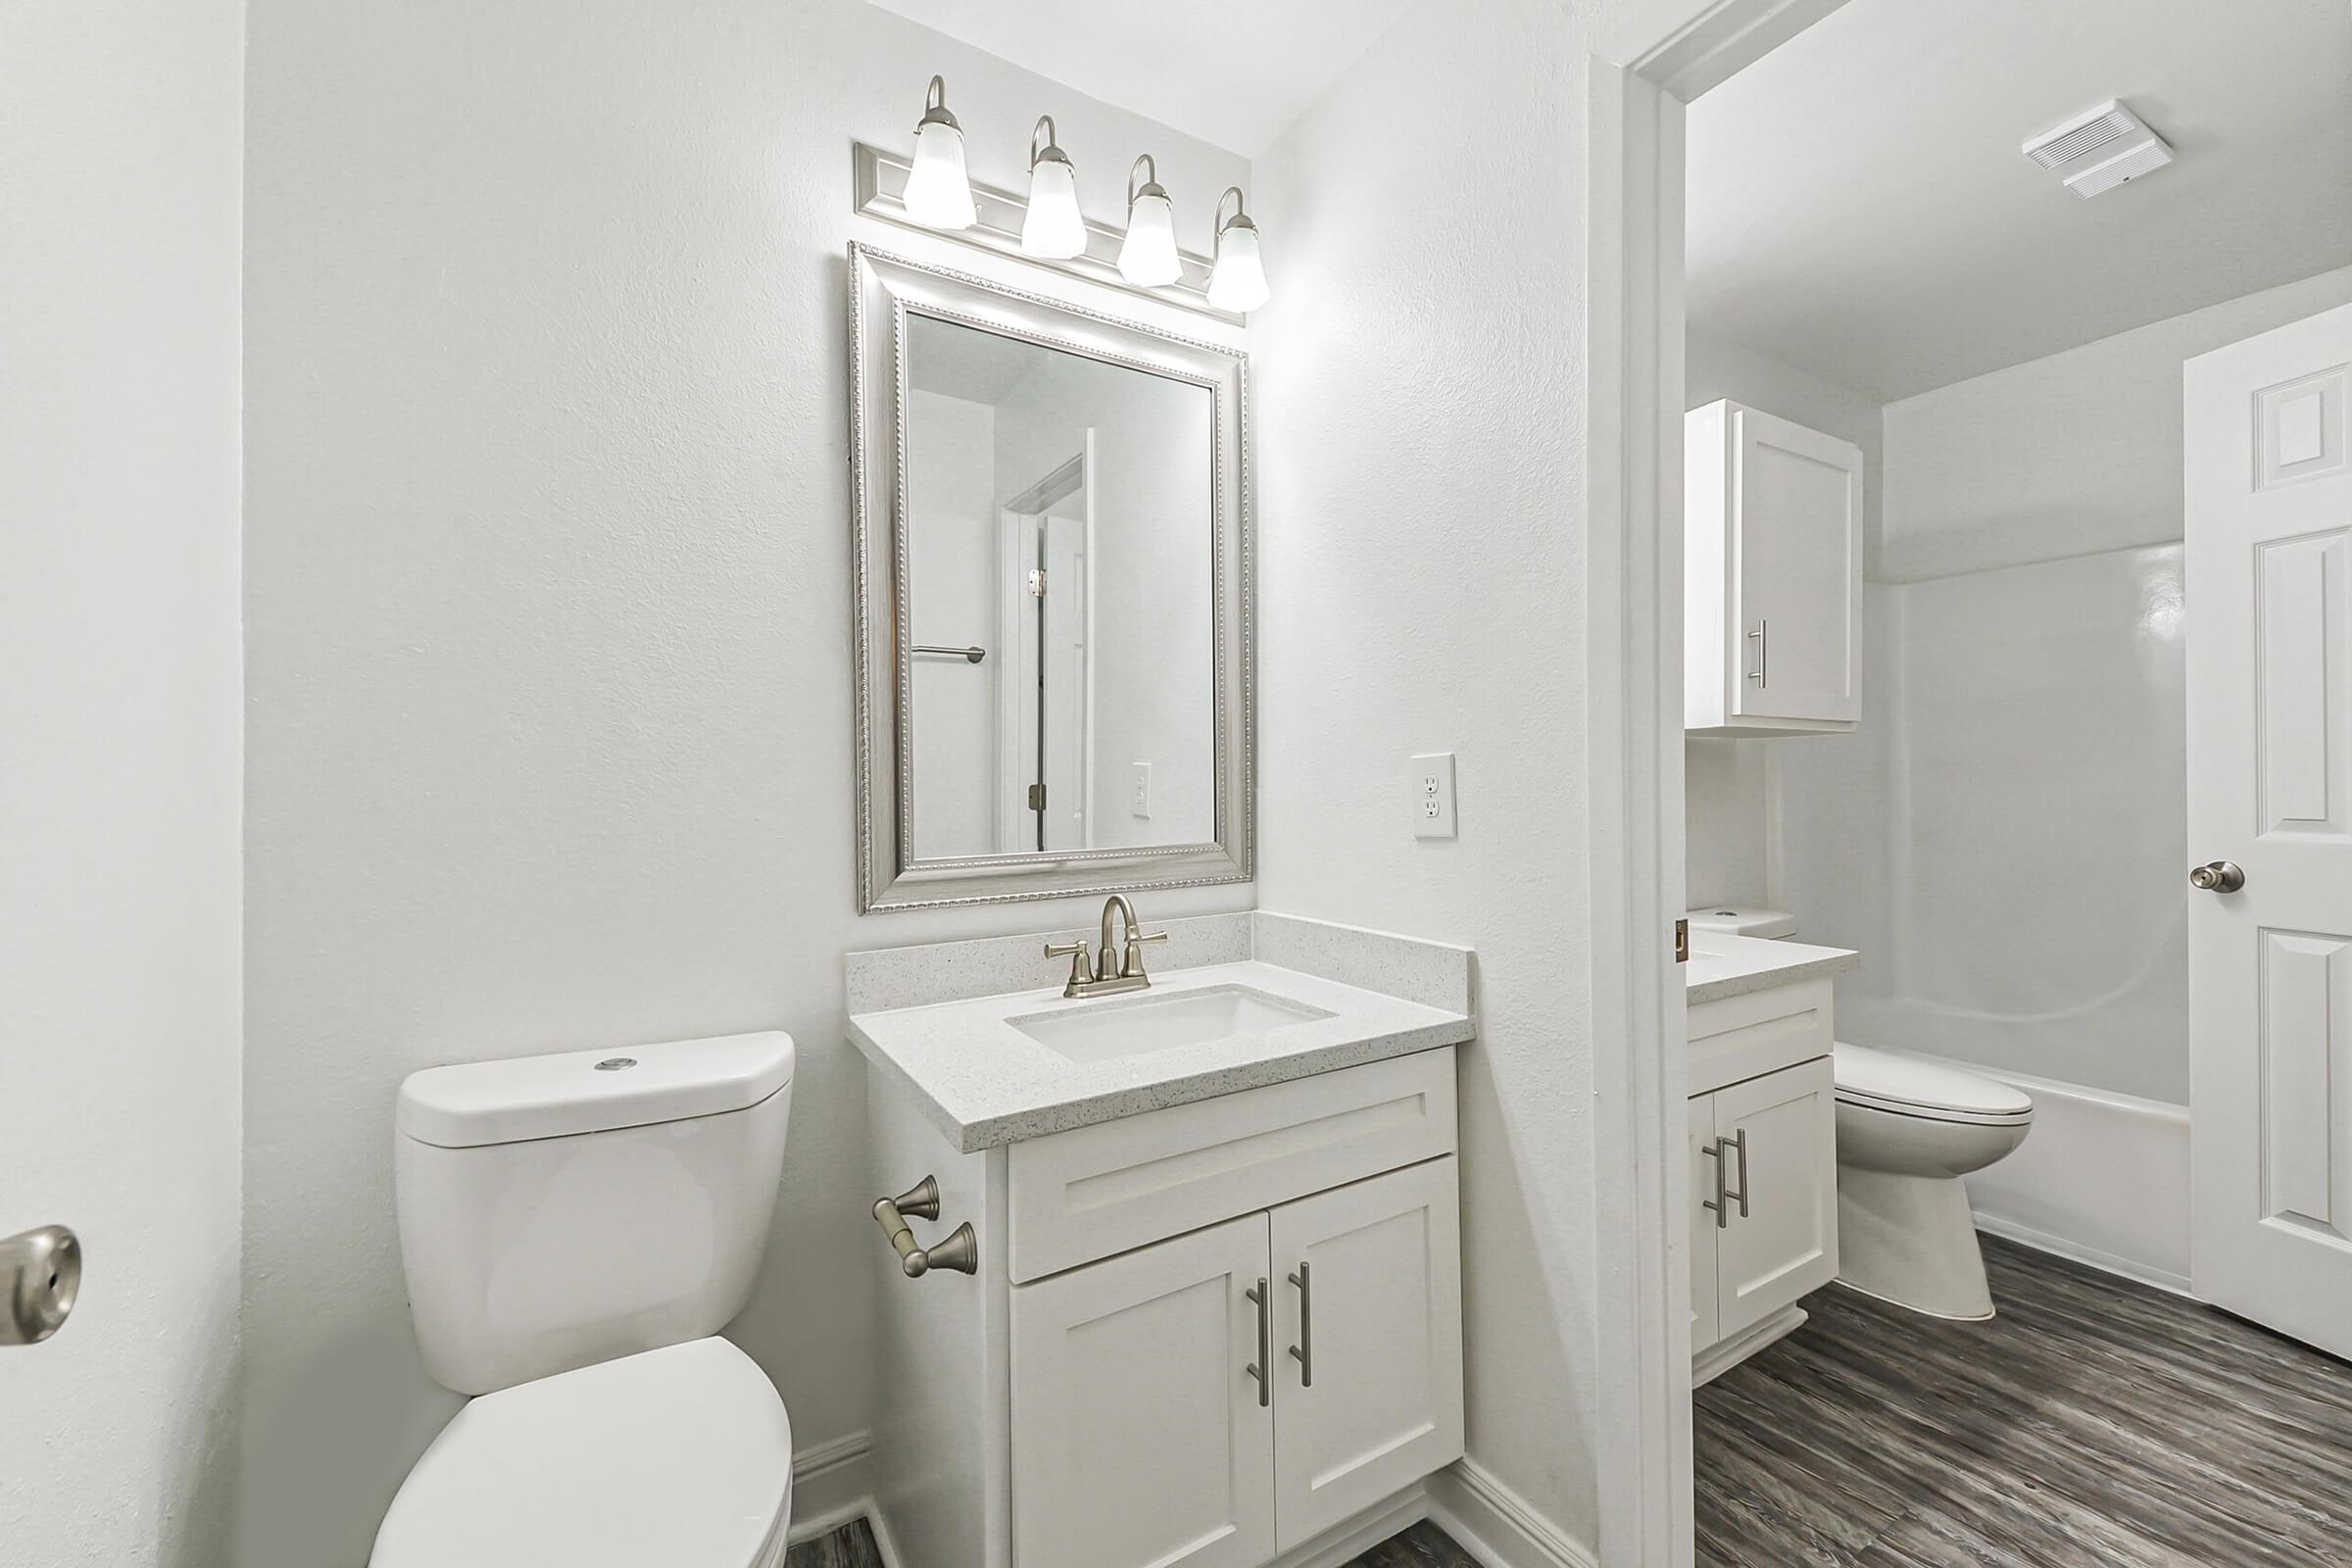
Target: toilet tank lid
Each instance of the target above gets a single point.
(1741, 920)
(512, 1102)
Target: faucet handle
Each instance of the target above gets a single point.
(1081, 973)
(1134, 964)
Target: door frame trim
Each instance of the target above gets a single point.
(1639, 82)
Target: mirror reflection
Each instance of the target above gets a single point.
(1060, 607)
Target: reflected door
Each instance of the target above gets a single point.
(2269, 490)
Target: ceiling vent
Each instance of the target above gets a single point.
(2097, 150)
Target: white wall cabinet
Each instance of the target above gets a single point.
(1764, 1170)
(1772, 562)
(1223, 1335)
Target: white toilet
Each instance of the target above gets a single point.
(576, 1230)
(1908, 1131)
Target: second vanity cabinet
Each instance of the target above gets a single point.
(1772, 562)
(1763, 1168)
(1218, 1335)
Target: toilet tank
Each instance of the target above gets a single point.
(557, 1211)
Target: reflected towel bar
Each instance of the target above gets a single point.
(975, 655)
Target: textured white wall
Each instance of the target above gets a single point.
(548, 601)
(2065, 455)
(1423, 569)
(120, 738)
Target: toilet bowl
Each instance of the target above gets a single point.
(1909, 1131)
(681, 1455)
(575, 1230)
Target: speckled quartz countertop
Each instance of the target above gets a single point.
(1723, 966)
(983, 1082)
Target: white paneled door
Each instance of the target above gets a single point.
(2269, 490)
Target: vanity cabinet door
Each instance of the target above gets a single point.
(1140, 1440)
(1367, 1345)
(1779, 1131)
(1704, 1330)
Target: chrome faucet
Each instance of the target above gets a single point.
(1111, 970)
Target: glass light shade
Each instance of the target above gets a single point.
(1237, 282)
(939, 193)
(1053, 230)
(1148, 256)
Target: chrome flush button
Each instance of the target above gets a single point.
(617, 1064)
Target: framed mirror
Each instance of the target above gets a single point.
(1054, 617)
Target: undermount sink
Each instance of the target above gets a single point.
(1135, 1026)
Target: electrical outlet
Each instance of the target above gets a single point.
(1138, 791)
(1429, 781)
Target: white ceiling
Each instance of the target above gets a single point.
(1859, 207)
(1232, 73)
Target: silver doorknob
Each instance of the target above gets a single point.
(40, 1275)
(2219, 877)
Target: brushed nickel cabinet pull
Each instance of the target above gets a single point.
(1718, 1205)
(1738, 1142)
(1265, 1346)
(1762, 638)
(1304, 1352)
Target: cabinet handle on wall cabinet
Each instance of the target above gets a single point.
(1304, 1352)
(1265, 1346)
(1762, 638)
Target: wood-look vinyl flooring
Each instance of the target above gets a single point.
(1424, 1546)
(2093, 1423)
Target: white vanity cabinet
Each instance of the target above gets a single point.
(1763, 1168)
(1221, 1335)
(1772, 562)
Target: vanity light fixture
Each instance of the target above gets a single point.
(1053, 230)
(939, 192)
(1236, 278)
(1148, 256)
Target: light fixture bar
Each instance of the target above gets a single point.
(879, 191)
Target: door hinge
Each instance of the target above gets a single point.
(1682, 942)
(1037, 796)
(1037, 582)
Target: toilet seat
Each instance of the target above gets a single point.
(1905, 1085)
(680, 1456)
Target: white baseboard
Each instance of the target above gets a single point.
(830, 1485)
(1496, 1524)
(1716, 1359)
(2103, 1179)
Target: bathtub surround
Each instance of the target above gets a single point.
(119, 732)
(549, 599)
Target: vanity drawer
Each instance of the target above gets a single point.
(1091, 1191)
(1738, 1038)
